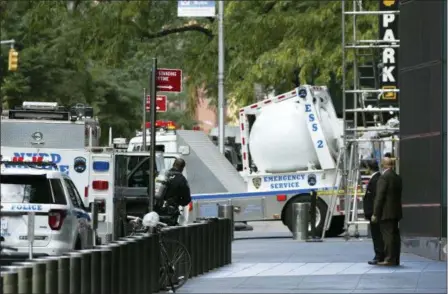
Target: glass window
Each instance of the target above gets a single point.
(228, 155)
(78, 197)
(168, 162)
(58, 191)
(133, 161)
(140, 176)
(72, 193)
(25, 189)
(160, 162)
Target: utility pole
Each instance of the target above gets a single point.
(143, 148)
(152, 111)
(221, 99)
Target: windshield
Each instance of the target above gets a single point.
(25, 189)
(168, 161)
(160, 162)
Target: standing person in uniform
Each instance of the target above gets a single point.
(387, 212)
(377, 238)
(177, 193)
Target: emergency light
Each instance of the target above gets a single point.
(40, 105)
(100, 166)
(168, 124)
(100, 185)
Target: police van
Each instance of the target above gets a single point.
(61, 221)
(69, 138)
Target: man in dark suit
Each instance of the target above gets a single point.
(377, 238)
(388, 212)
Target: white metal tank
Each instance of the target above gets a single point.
(279, 140)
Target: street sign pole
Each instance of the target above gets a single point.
(152, 158)
(221, 100)
(144, 121)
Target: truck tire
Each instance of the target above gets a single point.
(321, 212)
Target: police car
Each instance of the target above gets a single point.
(61, 222)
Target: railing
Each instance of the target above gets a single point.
(129, 265)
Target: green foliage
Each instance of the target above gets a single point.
(268, 42)
(100, 52)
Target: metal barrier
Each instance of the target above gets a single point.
(227, 211)
(300, 213)
(129, 265)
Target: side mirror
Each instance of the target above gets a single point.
(184, 150)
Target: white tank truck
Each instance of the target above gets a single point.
(290, 146)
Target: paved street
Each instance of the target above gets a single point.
(282, 265)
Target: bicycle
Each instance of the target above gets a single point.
(173, 273)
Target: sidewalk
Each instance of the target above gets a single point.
(334, 266)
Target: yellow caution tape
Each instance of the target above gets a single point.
(359, 192)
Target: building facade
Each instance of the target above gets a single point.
(423, 126)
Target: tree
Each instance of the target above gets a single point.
(100, 52)
(92, 53)
(269, 42)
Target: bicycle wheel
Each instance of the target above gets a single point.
(175, 265)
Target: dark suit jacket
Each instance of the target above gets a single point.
(369, 197)
(387, 204)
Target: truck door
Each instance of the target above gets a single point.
(134, 180)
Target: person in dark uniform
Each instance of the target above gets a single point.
(387, 211)
(377, 238)
(177, 193)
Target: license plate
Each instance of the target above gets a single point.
(4, 223)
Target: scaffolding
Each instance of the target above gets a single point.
(366, 99)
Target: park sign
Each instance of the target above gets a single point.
(196, 9)
(161, 103)
(169, 80)
(388, 29)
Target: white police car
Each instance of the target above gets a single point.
(61, 223)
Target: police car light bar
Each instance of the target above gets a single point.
(40, 105)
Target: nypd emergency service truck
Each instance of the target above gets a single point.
(56, 133)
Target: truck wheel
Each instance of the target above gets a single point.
(321, 212)
(336, 226)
